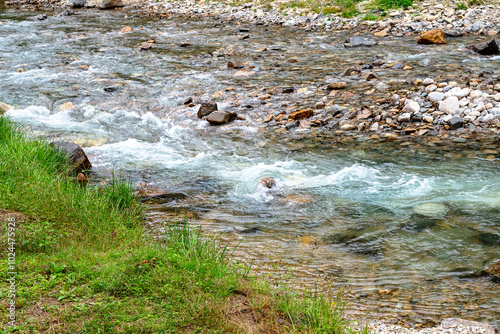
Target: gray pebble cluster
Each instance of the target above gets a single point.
(448, 326)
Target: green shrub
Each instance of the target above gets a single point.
(370, 17)
(389, 4)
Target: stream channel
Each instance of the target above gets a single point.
(406, 231)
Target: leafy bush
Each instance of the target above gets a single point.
(388, 4)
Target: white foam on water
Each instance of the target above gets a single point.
(141, 154)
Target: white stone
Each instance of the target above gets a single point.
(427, 82)
(381, 86)
(488, 118)
(405, 117)
(431, 88)
(470, 118)
(450, 105)
(411, 106)
(435, 96)
(447, 118)
(428, 118)
(475, 94)
(374, 127)
(462, 93)
(496, 97)
(464, 102)
(479, 107)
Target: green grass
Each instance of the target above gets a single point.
(394, 4)
(86, 264)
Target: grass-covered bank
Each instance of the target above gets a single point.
(85, 264)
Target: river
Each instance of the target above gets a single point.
(405, 228)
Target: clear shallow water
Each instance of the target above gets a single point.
(343, 215)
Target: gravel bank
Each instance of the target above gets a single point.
(423, 16)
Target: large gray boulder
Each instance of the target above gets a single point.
(357, 41)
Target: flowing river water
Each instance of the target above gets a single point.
(405, 228)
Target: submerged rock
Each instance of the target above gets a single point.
(357, 242)
(419, 224)
(431, 210)
(148, 192)
(486, 47)
(357, 41)
(489, 239)
(493, 269)
(77, 159)
(39, 17)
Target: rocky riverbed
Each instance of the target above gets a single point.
(144, 99)
(453, 108)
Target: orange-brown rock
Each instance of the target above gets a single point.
(269, 118)
(434, 36)
(336, 85)
(268, 182)
(82, 179)
(126, 29)
(301, 114)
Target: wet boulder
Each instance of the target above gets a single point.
(434, 36)
(39, 17)
(431, 210)
(267, 182)
(206, 109)
(357, 41)
(110, 4)
(486, 47)
(4, 107)
(418, 224)
(218, 118)
(77, 159)
(78, 3)
(357, 242)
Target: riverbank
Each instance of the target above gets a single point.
(382, 18)
(80, 260)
